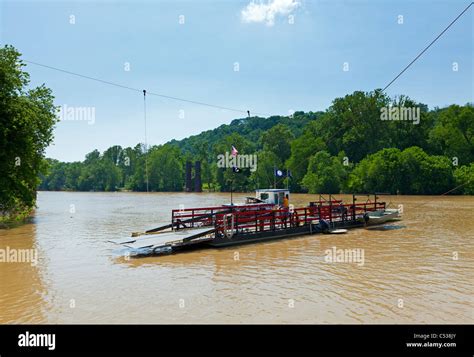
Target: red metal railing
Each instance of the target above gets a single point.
(206, 216)
(270, 218)
(261, 217)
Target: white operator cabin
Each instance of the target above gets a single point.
(273, 196)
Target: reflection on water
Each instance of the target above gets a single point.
(388, 227)
(418, 270)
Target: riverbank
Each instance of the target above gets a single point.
(15, 218)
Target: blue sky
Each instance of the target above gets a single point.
(282, 66)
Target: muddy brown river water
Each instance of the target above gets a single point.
(417, 270)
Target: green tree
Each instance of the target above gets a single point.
(302, 148)
(137, 182)
(113, 154)
(27, 119)
(453, 133)
(264, 175)
(98, 173)
(353, 124)
(379, 172)
(278, 141)
(411, 171)
(421, 173)
(326, 174)
(166, 168)
(72, 172)
(403, 134)
(464, 178)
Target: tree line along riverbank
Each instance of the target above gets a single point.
(347, 148)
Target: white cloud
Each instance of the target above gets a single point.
(266, 12)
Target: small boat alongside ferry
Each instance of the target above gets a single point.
(260, 218)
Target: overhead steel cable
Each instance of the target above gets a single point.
(82, 76)
(427, 47)
(140, 90)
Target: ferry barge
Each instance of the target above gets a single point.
(260, 218)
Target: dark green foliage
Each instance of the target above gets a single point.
(326, 173)
(453, 132)
(464, 177)
(411, 171)
(27, 118)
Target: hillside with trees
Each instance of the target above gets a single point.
(347, 148)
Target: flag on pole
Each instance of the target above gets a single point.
(282, 173)
(234, 151)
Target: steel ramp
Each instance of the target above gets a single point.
(123, 240)
(181, 236)
(131, 239)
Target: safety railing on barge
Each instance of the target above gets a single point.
(206, 216)
(276, 218)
